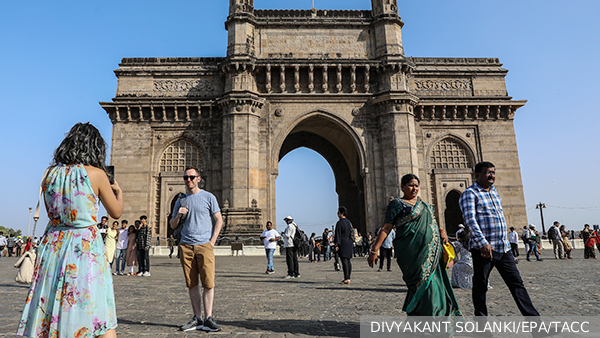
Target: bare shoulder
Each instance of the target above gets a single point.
(93, 171)
(97, 177)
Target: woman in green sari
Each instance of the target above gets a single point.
(419, 250)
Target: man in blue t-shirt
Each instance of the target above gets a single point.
(196, 248)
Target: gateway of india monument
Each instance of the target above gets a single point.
(334, 81)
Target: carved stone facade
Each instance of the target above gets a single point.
(337, 82)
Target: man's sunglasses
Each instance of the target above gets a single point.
(192, 177)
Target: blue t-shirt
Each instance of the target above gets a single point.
(197, 227)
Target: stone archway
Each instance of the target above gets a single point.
(330, 140)
(452, 215)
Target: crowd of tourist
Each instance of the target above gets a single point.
(16, 245)
(127, 245)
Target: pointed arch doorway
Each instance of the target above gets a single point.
(330, 139)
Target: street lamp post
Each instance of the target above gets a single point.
(29, 221)
(541, 206)
(35, 219)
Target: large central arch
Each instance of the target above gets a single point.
(334, 140)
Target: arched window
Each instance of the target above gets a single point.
(180, 155)
(449, 153)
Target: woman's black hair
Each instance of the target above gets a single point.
(313, 235)
(83, 144)
(407, 178)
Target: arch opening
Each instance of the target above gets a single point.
(329, 139)
(452, 214)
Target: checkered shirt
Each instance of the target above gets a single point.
(483, 215)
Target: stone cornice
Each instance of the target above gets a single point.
(177, 61)
(238, 99)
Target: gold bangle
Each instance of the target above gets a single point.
(374, 252)
(444, 230)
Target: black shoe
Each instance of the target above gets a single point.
(539, 259)
(194, 324)
(210, 325)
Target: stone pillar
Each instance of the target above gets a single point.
(398, 141)
(241, 168)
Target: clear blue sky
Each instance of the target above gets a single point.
(57, 58)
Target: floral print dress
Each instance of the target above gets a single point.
(72, 290)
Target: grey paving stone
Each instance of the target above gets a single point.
(250, 303)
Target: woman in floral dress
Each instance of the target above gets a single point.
(72, 293)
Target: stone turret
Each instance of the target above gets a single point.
(241, 27)
(388, 28)
(241, 6)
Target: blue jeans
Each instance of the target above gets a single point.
(121, 254)
(327, 254)
(270, 253)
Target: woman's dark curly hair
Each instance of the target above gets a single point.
(84, 145)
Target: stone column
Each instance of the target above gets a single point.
(399, 142)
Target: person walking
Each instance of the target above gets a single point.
(513, 239)
(10, 244)
(3, 243)
(291, 255)
(270, 237)
(196, 248)
(589, 240)
(481, 207)
(171, 242)
(343, 243)
(325, 248)
(565, 239)
(533, 240)
(419, 246)
(385, 251)
(71, 294)
(556, 240)
(312, 248)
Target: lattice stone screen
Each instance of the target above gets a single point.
(448, 153)
(179, 155)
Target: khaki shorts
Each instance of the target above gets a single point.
(198, 260)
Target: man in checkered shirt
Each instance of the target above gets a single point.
(482, 211)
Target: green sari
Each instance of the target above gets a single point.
(419, 251)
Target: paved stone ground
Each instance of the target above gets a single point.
(249, 303)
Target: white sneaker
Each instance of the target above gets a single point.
(146, 274)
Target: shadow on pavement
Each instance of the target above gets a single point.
(349, 288)
(22, 286)
(308, 327)
(132, 322)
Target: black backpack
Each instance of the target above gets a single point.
(182, 204)
(552, 233)
(298, 240)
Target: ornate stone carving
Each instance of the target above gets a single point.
(202, 87)
(443, 85)
(279, 112)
